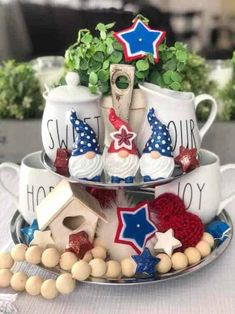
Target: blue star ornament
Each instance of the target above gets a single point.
(140, 40)
(135, 227)
(28, 232)
(218, 229)
(146, 263)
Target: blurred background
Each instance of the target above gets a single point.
(34, 35)
(31, 28)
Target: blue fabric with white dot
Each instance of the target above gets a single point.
(86, 140)
(160, 139)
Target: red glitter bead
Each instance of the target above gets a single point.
(79, 244)
(188, 228)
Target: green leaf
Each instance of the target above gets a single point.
(110, 49)
(104, 87)
(93, 78)
(116, 57)
(175, 86)
(83, 64)
(170, 65)
(94, 65)
(106, 64)
(103, 75)
(151, 59)
(176, 77)
(87, 38)
(110, 25)
(92, 88)
(117, 46)
(141, 74)
(142, 65)
(101, 27)
(103, 35)
(98, 56)
(167, 77)
(180, 66)
(181, 56)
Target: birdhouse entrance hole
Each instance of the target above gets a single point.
(73, 223)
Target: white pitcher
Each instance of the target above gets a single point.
(178, 111)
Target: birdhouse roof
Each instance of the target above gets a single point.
(59, 199)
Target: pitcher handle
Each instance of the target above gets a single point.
(212, 115)
(228, 199)
(16, 168)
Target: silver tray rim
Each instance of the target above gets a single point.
(17, 222)
(47, 163)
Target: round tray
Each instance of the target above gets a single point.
(48, 164)
(18, 222)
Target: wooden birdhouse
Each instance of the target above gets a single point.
(69, 209)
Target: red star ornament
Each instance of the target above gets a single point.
(187, 159)
(123, 138)
(79, 244)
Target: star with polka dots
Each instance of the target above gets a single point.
(135, 227)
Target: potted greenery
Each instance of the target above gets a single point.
(21, 105)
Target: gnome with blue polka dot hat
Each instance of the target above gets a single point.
(86, 160)
(157, 161)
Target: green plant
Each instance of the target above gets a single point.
(91, 57)
(20, 95)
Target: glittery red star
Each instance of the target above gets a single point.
(62, 161)
(79, 244)
(187, 159)
(123, 138)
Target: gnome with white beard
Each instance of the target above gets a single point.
(86, 160)
(121, 160)
(157, 161)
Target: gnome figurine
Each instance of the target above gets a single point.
(121, 159)
(85, 161)
(157, 161)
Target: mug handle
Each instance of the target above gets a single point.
(16, 168)
(228, 199)
(212, 115)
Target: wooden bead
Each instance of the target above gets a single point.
(128, 267)
(114, 269)
(33, 254)
(18, 252)
(204, 248)
(87, 257)
(67, 260)
(50, 257)
(99, 242)
(65, 284)
(99, 252)
(98, 267)
(179, 261)
(33, 285)
(208, 238)
(81, 270)
(6, 261)
(164, 266)
(5, 278)
(18, 281)
(193, 255)
(48, 289)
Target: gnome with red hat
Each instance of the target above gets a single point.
(121, 160)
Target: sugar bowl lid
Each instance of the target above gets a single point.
(71, 92)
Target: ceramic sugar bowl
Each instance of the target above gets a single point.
(57, 131)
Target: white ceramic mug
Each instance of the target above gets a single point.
(34, 185)
(201, 188)
(178, 111)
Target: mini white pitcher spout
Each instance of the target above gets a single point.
(177, 110)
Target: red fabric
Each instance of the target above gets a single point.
(103, 196)
(188, 228)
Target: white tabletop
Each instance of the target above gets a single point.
(211, 290)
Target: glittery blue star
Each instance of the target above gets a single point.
(28, 232)
(140, 40)
(135, 227)
(218, 229)
(146, 263)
